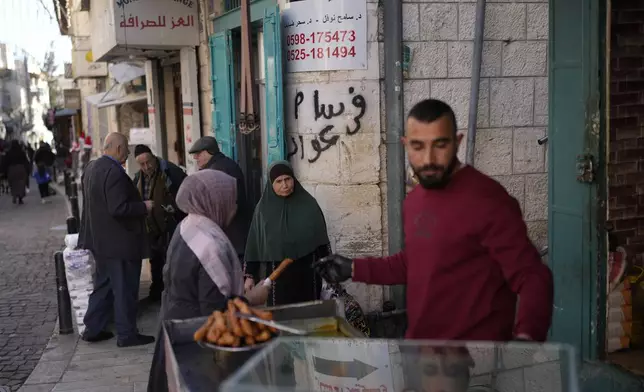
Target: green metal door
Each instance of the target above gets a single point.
(574, 130)
(221, 74)
(275, 142)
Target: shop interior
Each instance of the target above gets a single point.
(625, 103)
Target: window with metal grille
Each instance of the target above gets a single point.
(85, 5)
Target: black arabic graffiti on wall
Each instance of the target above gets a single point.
(323, 141)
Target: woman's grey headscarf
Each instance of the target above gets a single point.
(208, 193)
(209, 197)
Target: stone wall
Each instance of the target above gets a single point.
(337, 158)
(344, 166)
(512, 107)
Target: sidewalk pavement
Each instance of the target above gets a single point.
(72, 365)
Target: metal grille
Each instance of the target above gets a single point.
(230, 5)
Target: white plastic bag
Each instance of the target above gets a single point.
(79, 269)
(71, 241)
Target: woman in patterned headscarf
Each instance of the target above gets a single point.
(202, 270)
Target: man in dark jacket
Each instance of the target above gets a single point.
(159, 181)
(113, 229)
(206, 152)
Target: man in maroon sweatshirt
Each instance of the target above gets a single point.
(467, 257)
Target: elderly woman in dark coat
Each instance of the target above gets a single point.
(288, 223)
(202, 270)
(17, 170)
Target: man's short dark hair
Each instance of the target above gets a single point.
(430, 110)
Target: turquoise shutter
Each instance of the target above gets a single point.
(274, 91)
(223, 118)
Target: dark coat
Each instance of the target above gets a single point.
(113, 216)
(174, 177)
(189, 292)
(238, 229)
(44, 156)
(174, 173)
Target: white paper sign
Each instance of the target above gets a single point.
(143, 136)
(325, 35)
(156, 23)
(352, 366)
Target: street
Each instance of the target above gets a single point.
(29, 235)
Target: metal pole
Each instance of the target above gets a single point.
(68, 181)
(72, 225)
(477, 55)
(65, 324)
(73, 201)
(395, 122)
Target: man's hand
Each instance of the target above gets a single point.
(334, 268)
(149, 204)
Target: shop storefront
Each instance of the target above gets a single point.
(256, 143)
(160, 36)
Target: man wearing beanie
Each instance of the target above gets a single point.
(158, 180)
(206, 152)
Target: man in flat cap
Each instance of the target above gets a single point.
(158, 180)
(206, 152)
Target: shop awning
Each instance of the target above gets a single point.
(65, 112)
(126, 99)
(115, 96)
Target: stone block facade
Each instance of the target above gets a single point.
(343, 165)
(338, 159)
(513, 98)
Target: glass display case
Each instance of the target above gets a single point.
(361, 365)
(190, 367)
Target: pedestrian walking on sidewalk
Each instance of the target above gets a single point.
(44, 156)
(113, 229)
(17, 168)
(43, 178)
(159, 181)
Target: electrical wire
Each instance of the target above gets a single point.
(46, 9)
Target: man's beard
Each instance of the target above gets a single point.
(440, 179)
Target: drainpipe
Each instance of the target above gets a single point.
(477, 55)
(395, 120)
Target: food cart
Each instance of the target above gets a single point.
(352, 363)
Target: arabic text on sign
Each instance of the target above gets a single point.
(135, 22)
(326, 19)
(338, 52)
(318, 37)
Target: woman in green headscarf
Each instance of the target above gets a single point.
(288, 223)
